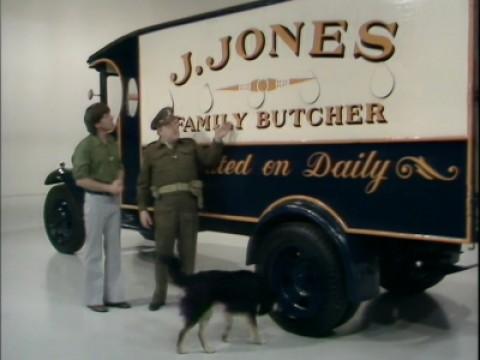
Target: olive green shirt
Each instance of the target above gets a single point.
(96, 160)
(181, 163)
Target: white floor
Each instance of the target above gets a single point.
(43, 316)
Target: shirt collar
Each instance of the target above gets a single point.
(96, 140)
(161, 143)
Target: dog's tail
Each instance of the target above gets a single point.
(174, 265)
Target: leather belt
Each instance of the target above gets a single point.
(98, 193)
(194, 186)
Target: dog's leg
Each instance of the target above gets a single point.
(228, 327)
(201, 331)
(252, 321)
(181, 338)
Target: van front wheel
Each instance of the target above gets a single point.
(304, 271)
(63, 220)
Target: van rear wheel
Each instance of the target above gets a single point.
(304, 271)
(63, 220)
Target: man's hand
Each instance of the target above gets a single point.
(116, 187)
(222, 131)
(145, 219)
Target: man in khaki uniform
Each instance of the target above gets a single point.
(169, 174)
(97, 169)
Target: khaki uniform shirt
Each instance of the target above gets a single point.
(180, 164)
(96, 160)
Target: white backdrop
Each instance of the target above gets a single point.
(45, 77)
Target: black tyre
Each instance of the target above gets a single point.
(63, 220)
(303, 269)
(405, 276)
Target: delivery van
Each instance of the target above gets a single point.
(353, 163)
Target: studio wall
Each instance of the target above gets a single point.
(45, 78)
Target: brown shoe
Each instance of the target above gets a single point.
(120, 305)
(98, 308)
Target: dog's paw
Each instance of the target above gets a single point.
(258, 341)
(180, 351)
(209, 350)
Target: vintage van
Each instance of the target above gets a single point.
(353, 161)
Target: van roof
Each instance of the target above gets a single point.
(105, 51)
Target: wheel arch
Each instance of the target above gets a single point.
(359, 262)
(65, 176)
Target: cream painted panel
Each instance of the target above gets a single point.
(420, 91)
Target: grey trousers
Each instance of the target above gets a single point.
(103, 282)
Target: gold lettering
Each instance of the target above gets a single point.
(368, 162)
(292, 41)
(187, 64)
(239, 120)
(356, 166)
(296, 113)
(334, 112)
(375, 113)
(219, 119)
(229, 168)
(378, 176)
(375, 170)
(353, 114)
(310, 116)
(327, 42)
(244, 167)
(225, 42)
(342, 169)
(319, 164)
(203, 122)
(320, 38)
(277, 168)
(233, 167)
(189, 125)
(263, 121)
(376, 42)
(259, 44)
(279, 123)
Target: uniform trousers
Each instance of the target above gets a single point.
(103, 280)
(176, 220)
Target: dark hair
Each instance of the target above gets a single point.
(93, 114)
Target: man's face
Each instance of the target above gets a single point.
(169, 132)
(106, 123)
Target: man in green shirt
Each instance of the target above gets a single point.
(97, 169)
(169, 174)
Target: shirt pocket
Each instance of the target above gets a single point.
(187, 157)
(162, 167)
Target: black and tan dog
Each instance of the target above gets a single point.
(241, 292)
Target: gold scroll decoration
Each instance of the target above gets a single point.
(410, 165)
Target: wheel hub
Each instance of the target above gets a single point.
(293, 279)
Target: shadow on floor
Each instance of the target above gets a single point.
(203, 262)
(422, 317)
(65, 279)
